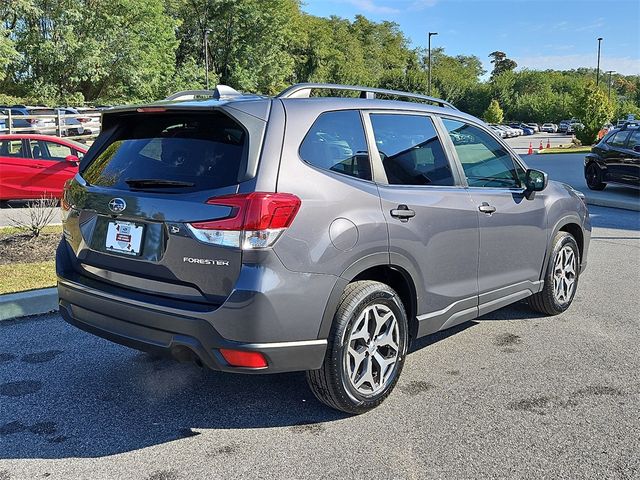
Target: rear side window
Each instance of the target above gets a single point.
(336, 142)
(634, 140)
(194, 151)
(618, 138)
(410, 150)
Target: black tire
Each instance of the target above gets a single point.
(546, 301)
(593, 176)
(331, 384)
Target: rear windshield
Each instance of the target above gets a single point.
(196, 151)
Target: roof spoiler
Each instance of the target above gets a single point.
(221, 92)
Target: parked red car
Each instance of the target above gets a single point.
(32, 166)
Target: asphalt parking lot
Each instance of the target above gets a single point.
(511, 395)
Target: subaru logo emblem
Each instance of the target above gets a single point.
(117, 205)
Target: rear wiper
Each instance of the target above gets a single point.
(157, 183)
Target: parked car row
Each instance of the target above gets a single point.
(73, 120)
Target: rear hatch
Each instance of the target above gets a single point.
(144, 184)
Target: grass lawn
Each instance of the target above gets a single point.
(27, 263)
(565, 150)
(18, 277)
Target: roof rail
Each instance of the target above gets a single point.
(303, 90)
(220, 92)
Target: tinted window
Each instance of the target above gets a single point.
(41, 150)
(336, 142)
(486, 163)
(410, 150)
(202, 150)
(11, 148)
(618, 138)
(634, 139)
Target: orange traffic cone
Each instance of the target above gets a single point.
(541, 147)
(548, 144)
(530, 149)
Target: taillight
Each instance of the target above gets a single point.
(32, 121)
(84, 119)
(256, 221)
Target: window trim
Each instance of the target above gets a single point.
(514, 156)
(333, 172)
(380, 175)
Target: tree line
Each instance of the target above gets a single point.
(123, 51)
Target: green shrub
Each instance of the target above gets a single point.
(494, 113)
(594, 110)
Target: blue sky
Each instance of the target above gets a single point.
(537, 34)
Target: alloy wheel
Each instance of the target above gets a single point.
(564, 274)
(372, 350)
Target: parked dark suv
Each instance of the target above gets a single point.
(257, 235)
(615, 159)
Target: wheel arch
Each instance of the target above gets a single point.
(570, 224)
(377, 268)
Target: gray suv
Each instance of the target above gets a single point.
(308, 232)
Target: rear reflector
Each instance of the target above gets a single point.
(240, 358)
(256, 220)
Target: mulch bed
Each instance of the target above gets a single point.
(23, 248)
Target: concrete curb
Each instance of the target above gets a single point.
(621, 204)
(33, 302)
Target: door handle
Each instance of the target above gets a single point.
(486, 208)
(403, 212)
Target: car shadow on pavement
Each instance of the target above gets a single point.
(99, 399)
(65, 394)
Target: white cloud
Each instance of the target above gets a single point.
(371, 7)
(622, 65)
(422, 4)
(379, 7)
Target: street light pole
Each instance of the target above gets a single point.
(206, 57)
(430, 35)
(610, 72)
(598, 70)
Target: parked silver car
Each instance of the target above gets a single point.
(257, 235)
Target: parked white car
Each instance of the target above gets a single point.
(549, 128)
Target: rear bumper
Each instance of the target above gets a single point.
(185, 338)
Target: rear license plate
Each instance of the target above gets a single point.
(124, 237)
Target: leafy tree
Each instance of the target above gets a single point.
(494, 114)
(501, 63)
(248, 42)
(120, 50)
(593, 110)
(455, 76)
(7, 52)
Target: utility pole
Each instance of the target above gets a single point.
(206, 57)
(598, 70)
(430, 35)
(610, 72)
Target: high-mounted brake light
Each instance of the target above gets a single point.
(151, 109)
(256, 220)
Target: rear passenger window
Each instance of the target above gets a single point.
(410, 150)
(634, 140)
(618, 138)
(336, 142)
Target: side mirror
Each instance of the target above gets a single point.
(636, 148)
(535, 181)
(72, 159)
